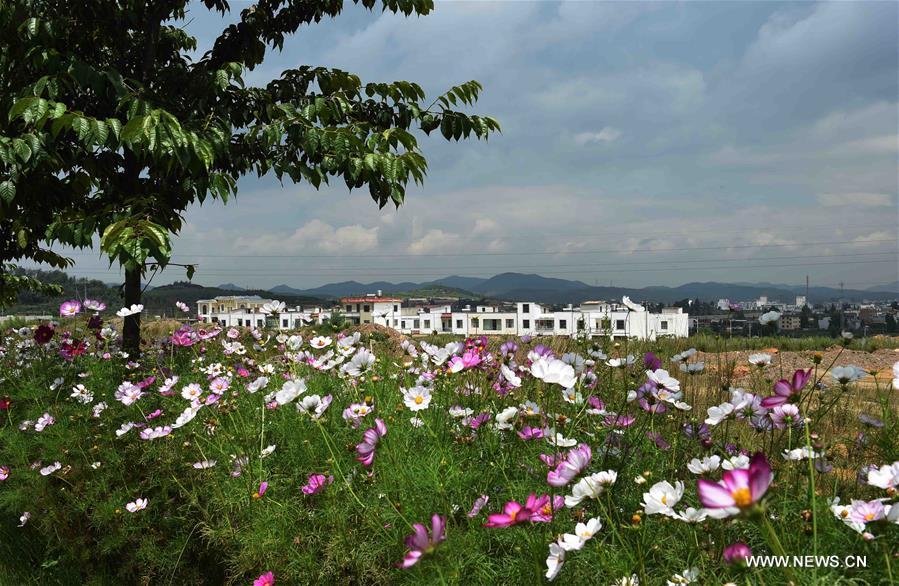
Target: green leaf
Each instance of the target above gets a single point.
(7, 191)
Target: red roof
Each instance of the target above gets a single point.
(369, 300)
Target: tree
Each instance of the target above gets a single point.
(113, 130)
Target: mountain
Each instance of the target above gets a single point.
(886, 288)
(531, 287)
(231, 287)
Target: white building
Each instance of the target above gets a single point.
(591, 318)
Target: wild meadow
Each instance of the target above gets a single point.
(238, 456)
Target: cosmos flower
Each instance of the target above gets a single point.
(514, 512)
(704, 466)
(785, 391)
(316, 483)
(182, 306)
(94, 305)
(417, 398)
(736, 553)
(590, 487)
(554, 371)
(555, 560)
(314, 405)
(48, 470)
(4, 472)
(583, 532)
(478, 505)
(885, 477)
(785, 416)
(128, 311)
(266, 579)
(260, 492)
(662, 498)
(136, 505)
(70, 308)
(760, 359)
(738, 489)
(371, 437)
(420, 543)
(847, 374)
(575, 462)
(290, 390)
(44, 333)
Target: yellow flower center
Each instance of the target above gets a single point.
(844, 513)
(869, 517)
(742, 497)
(664, 499)
(419, 400)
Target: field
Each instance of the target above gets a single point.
(361, 457)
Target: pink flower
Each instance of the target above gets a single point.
(867, 511)
(786, 415)
(738, 489)
(370, 439)
(785, 390)
(263, 486)
(266, 579)
(316, 483)
(4, 472)
(420, 543)
(478, 505)
(575, 463)
(534, 509)
(530, 433)
(70, 308)
(737, 553)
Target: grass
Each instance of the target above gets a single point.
(203, 526)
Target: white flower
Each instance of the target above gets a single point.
(81, 394)
(182, 306)
(620, 362)
(688, 577)
(320, 342)
(590, 487)
(360, 363)
(268, 451)
(204, 464)
(663, 380)
(133, 310)
(768, 318)
(662, 497)
(896, 376)
(719, 413)
(760, 359)
(559, 440)
(128, 393)
(583, 532)
(48, 470)
(125, 428)
(290, 390)
(273, 307)
(554, 561)
(554, 371)
(704, 466)
(510, 377)
(504, 417)
(802, 453)
(314, 405)
(847, 374)
(257, 384)
(692, 515)
(885, 477)
(631, 580)
(459, 411)
(417, 398)
(192, 392)
(99, 408)
(152, 433)
(739, 462)
(631, 305)
(24, 518)
(44, 421)
(136, 505)
(186, 416)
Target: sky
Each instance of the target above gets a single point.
(642, 144)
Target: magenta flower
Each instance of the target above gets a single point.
(575, 463)
(534, 509)
(478, 505)
(370, 439)
(43, 334)
(263, 486)
(737, 553)
(738, 489)
(266, 579)
(530, 433)
(316, 483)
(420, 543)
(70, 308)
(785, 390)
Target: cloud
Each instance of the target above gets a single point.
(606, 135)
(434, 242)
(315, 235)
(856, 199)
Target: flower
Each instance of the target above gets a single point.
(204, 464)
(785, 416)
(136, 505)
(626, 301)
(575, 463)
(736, 553)
(24, 518)
(70, 308)
(128, 311)
(896, 376)
(552, 370)
(704, 466)
(420, 543)
(260, 492)
(689, 576)
(152, 433)
(4, 472)
(316, 483)
(371, 437)
(290, 390)
(360, 363)
(515, 513)
(738, 489)
(417, 398)
(760, 359)
(478, 505)
(583, 532)
(663, 380)
(182, 306)
(266, 579)
(885, 477)
(785, 390)
(94, 305)
(48, 470)
(847, 374)
(314, 405)
(555, 560)
(866, 511)
(662, 497)
(590, 487)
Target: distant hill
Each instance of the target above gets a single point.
(231, 287)
(886, 288)
(520, 286)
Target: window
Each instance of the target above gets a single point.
(416, 324)
(239, 322)
(459, 324)
(427, 323)
(396, 308)
(366, 308)
(395, 321)
(664, 325)
(563, 323)
(525, 308)
(619, 324)
(526, 323)
(204, 308)
(285, 322)
(221, 308)
(491, 324)
(259, 322)
(349, 307)
(510, 323)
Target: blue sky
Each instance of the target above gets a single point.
(679, 141)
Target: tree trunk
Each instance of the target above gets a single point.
(131, 329)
